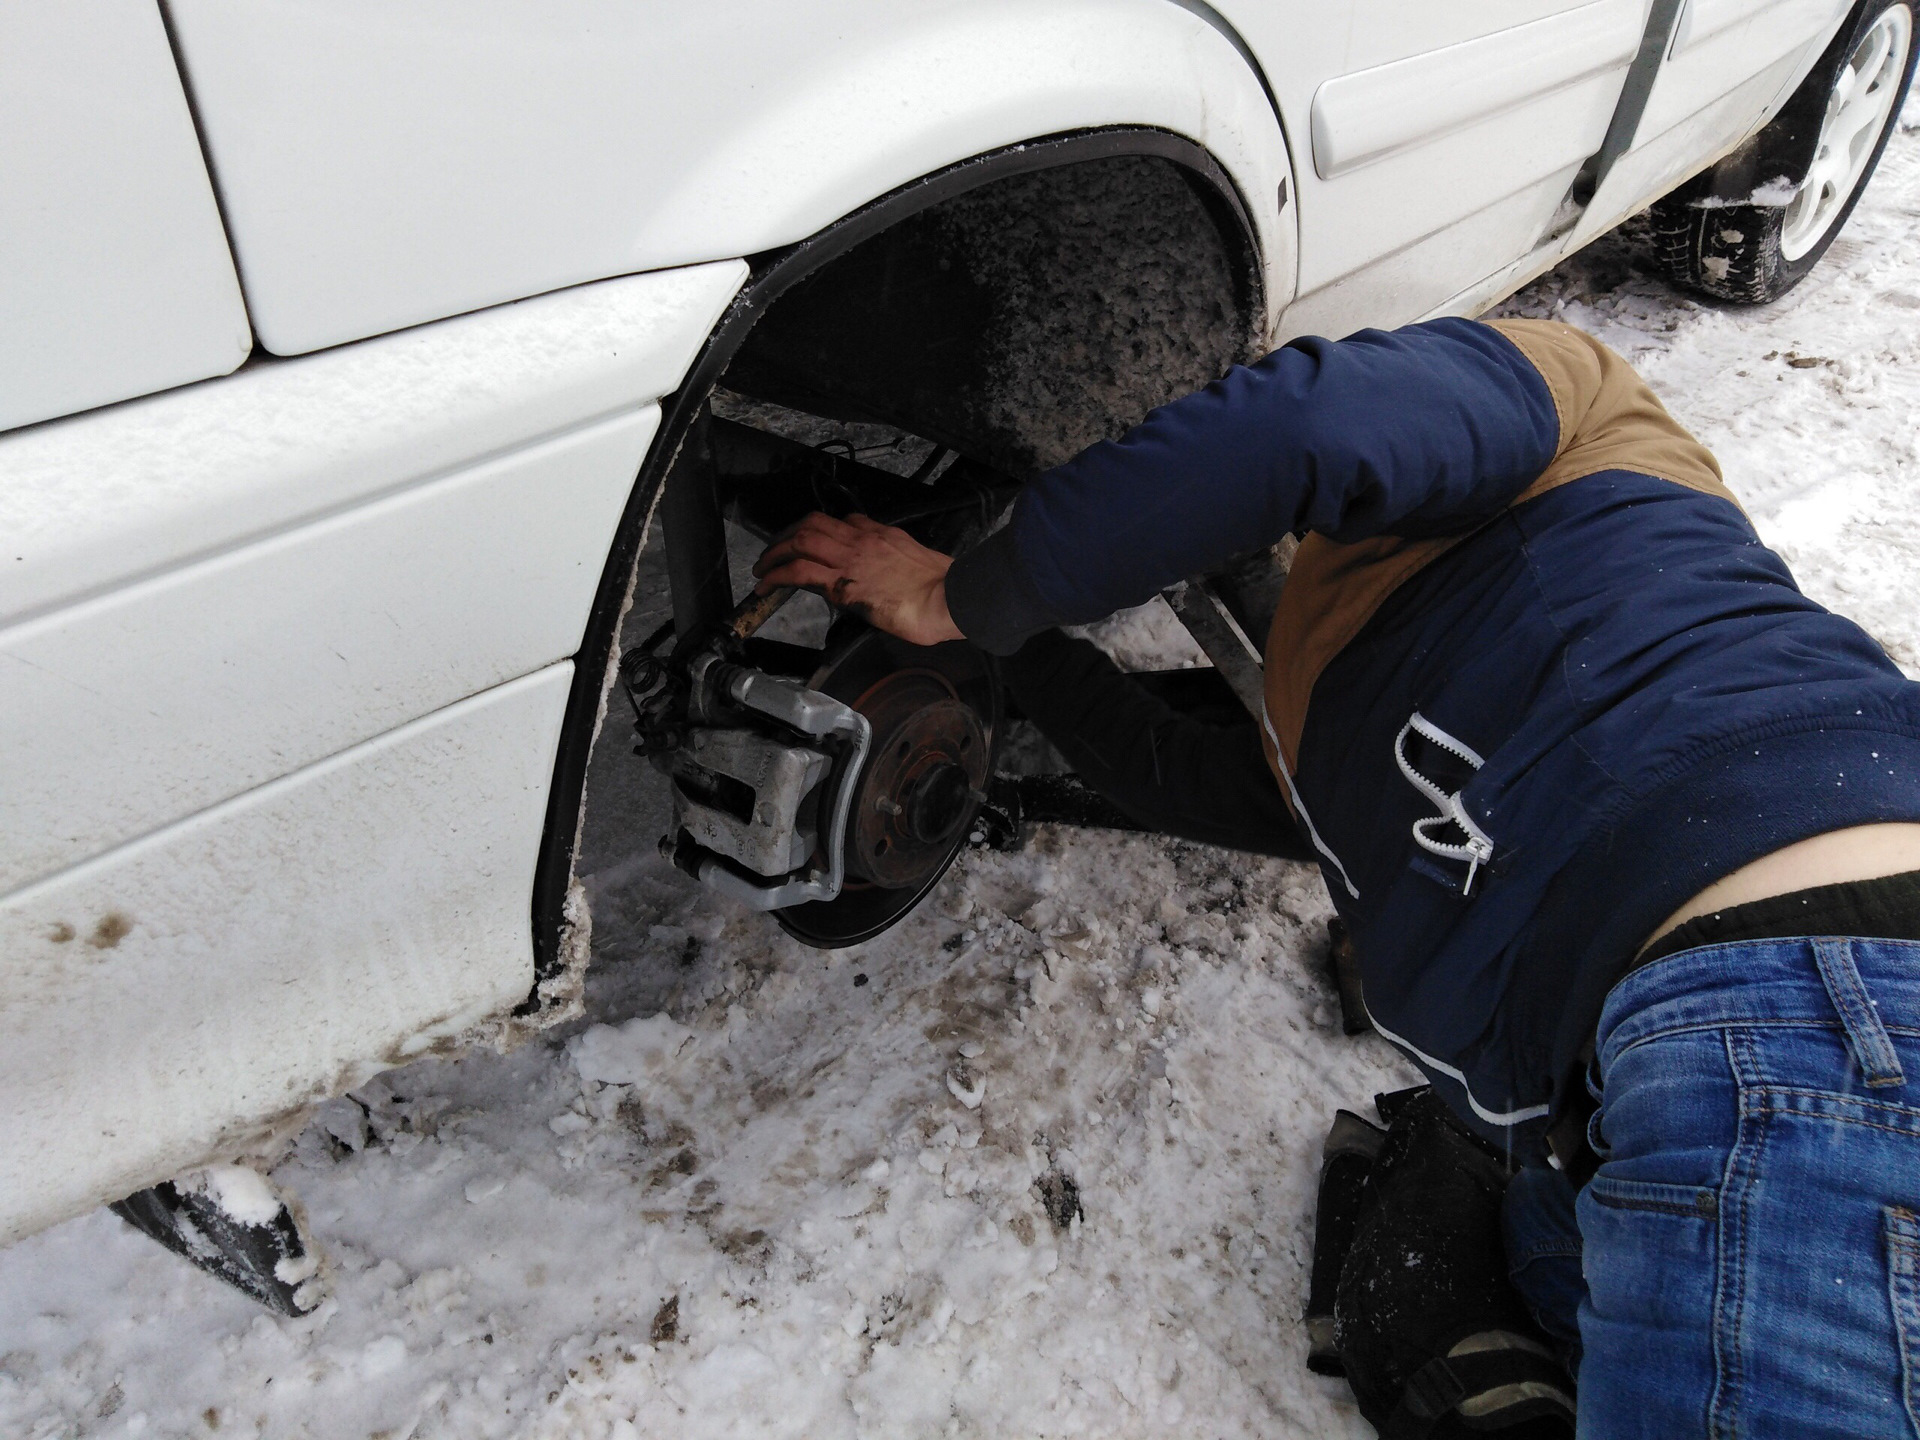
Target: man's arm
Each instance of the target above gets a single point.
(1421, 431)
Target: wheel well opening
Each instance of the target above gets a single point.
(1048, 297)
(1022, 320)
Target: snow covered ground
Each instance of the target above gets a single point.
(1039, 1162)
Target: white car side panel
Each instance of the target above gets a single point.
(114, 274)
(220, 676)
(1663, 158)
(101, 500)
(1373, 215)
(1449, 130)
(274, 794)
(1404, 284)
(162, 1003)
(1368, 115)
(381, 165)
(1747, 44)
(1701, 20)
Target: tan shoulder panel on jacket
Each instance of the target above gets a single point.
(1332, 591)
(1609, 419)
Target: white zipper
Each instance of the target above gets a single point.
(1479, 847)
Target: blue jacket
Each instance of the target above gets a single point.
(1534, 681)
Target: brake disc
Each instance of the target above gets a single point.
(936, 718)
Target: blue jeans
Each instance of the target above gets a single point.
(1747, 1260)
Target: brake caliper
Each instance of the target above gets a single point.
(763, 772)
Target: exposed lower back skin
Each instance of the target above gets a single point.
(1862, 852)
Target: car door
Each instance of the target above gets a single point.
(1722, 46)
(1433, 144)
(115, 278)
(1727, 66)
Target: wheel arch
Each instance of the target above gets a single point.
(561, 928)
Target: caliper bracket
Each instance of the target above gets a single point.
(746, 794)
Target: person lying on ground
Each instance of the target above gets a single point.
(1624, 827)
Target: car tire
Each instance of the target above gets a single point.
(1753, 226)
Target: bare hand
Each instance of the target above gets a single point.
(883, 575)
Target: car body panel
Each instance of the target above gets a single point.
(1701, 63)
(381, 166)
(406, 522)
(1737, 104)
(1422, 279)
(1708, 97)
(115, 278)
(101, 500)
(327, 635)
(231, 604)
(1366, 116)
(1402, 136)
(178, 996)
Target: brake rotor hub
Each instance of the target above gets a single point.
(926, 771)
(934, 712)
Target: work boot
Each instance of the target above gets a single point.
(1426, 1326)
(1347, 1157)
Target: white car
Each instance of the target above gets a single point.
(348, 350)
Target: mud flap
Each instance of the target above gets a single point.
(228, 1221)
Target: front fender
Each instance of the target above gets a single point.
(381, 166)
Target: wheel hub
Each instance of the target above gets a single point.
(935, 714)
(928, 767)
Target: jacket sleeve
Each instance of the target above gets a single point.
(1427, 430)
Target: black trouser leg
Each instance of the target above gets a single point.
(1200, 779)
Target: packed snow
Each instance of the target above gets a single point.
(1038, 1162)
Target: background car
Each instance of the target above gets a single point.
(377, 378)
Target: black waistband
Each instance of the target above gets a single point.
(1883, 909)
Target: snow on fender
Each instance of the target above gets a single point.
(635, 1053)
